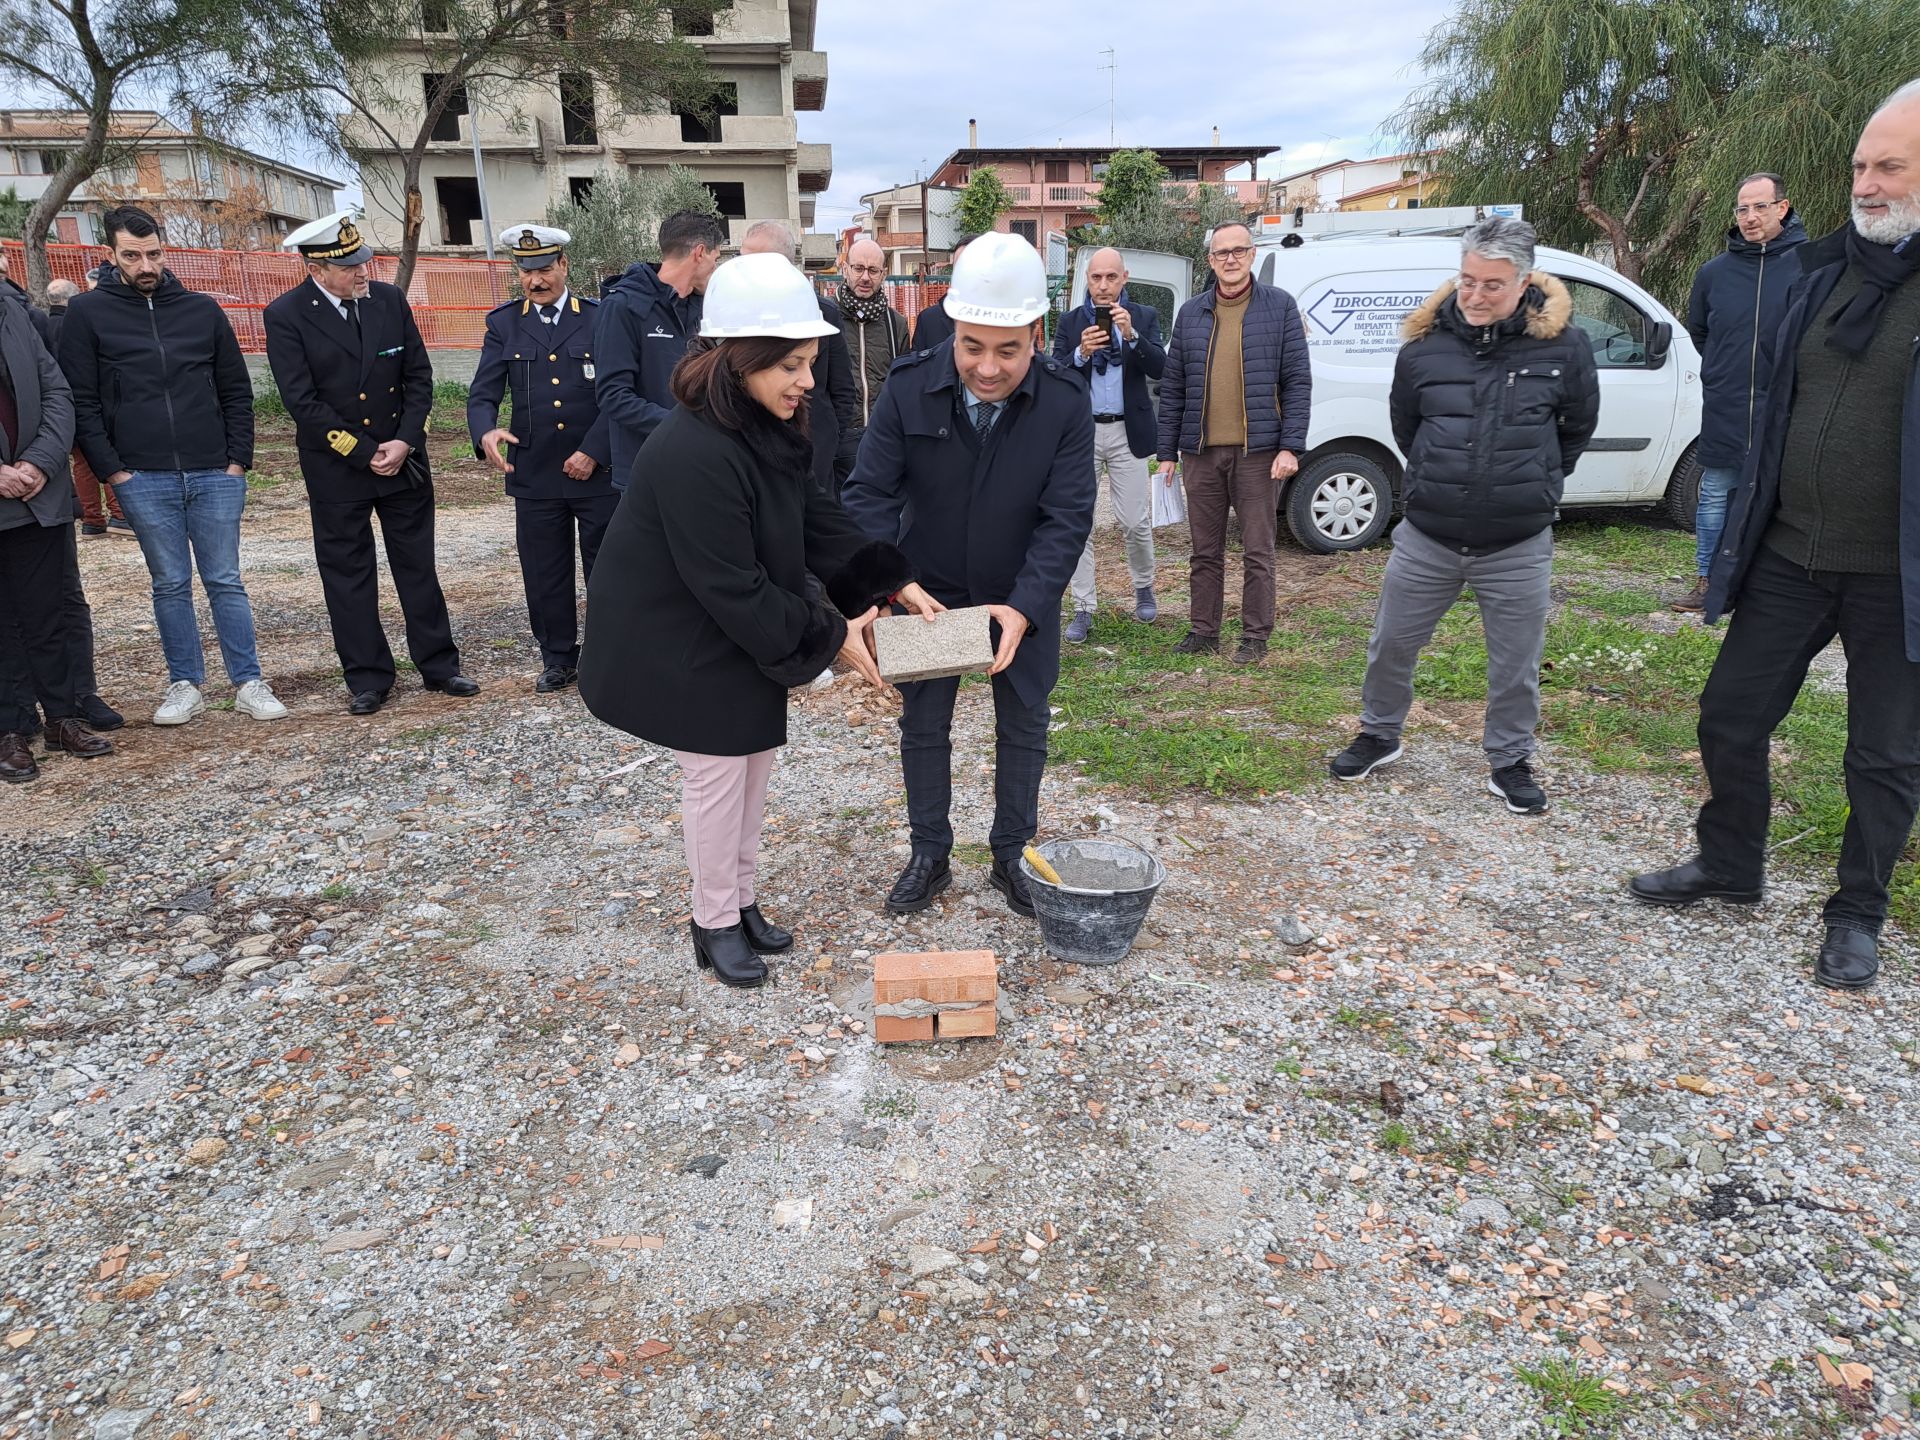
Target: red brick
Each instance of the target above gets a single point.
(940, 977)
(888, 1029)
(961, 1024)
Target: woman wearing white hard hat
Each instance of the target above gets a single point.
(698, 616)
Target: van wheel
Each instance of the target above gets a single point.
(1341, 501)
(1683, 490)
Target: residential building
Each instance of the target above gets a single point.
(1056, 188)
(1388, 182)
(895, 218)
(545, 138)
(204, 192)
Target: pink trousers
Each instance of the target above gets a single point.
(722, 799)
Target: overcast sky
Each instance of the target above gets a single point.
(1317, 80)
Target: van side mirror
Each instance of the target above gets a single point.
(1659, 344)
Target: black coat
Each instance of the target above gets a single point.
(1822, 263)
(1140, 362)
(1003, 526)
(700, 589)
(1492, 419)
(932, 326)
(640, 333)
(347, 396)
(36, 318)
(159, 382)
(44, 405)
(1737, 298)
(834, 413)
(550, 369)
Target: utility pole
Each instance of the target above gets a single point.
(480, 171)
(1112, 67)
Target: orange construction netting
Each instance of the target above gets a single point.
(450, 297)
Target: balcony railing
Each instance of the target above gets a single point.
(1085, 195)
(900, 239)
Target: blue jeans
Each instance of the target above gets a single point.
(182, 518)
(1710, 518)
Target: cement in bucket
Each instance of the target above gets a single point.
(1106, 887)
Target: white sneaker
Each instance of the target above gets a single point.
(256, 698)
(183, 702)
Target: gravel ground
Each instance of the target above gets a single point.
(355, 1081)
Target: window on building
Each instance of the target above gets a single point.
(577, 126)
(703, 128)
(66, 229)
(1056, 172)
(459, 198)
(559, 19)
(580, 188)
(447, 127)
(1027, 230)
(697, 17)
(435, 16)
(152, 182)
(1412, 203)
(1183, 172)
(730, 196)
(47, 161)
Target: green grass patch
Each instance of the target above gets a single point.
(1639, 548)
(1572, 1402)
(1396, 1137)
(336, 890)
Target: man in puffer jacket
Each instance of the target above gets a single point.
(1495, 397)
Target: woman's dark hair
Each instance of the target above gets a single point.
(708, 379)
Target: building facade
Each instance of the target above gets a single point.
(1389, 182)
(897, 223)
(205, 194)
(1055, 189)
(544, 139)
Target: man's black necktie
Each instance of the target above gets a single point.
(352, 307)
(984, 415)
(547, 312)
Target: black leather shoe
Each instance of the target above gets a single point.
(1685, 884)
(71, 737)
(1192, 644)
(763, 935)
(554, 677)
(1848, 961)
(458, 685)
(99, 715)
(925, 879)
(366, 702)
(727, 954)
(1007, 879)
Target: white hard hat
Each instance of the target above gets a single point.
(999, 280)
(761, 295)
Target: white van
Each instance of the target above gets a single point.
(1354, 290)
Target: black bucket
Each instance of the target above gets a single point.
(1106, 887)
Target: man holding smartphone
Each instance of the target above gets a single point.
(1116, 345)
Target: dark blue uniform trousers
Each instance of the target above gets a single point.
(544, 533)
(926, 760)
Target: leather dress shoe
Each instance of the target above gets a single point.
(1848, 961)
(554, 677)
(73, 738)
(99, 715)
(924, 880)
(458, 685)
(366, 702)
(1685, 884)
(763, 935)
(1007, 879)
(17, 765)
(727, 954)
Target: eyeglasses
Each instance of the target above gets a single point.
(1760, 209)
(1238, 252)
(1481, 287)
(865, 270)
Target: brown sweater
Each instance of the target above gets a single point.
(1224, 415)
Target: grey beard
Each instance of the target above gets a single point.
(1902, 218)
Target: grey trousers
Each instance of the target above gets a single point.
(1424, 578)
(1130, 487)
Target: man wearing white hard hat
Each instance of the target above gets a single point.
(356, 379)
(699, 619)
(978, 463)
(555, 448)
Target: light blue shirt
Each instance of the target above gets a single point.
(1109, 389)
(974, 402)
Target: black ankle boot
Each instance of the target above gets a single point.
(763, 935)
(727, 954)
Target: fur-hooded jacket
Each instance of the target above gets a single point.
(1492, 418)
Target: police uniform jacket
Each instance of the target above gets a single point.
(348, 394)
(999, 524)
(550, 369)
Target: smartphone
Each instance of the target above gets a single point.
(1103, 317)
